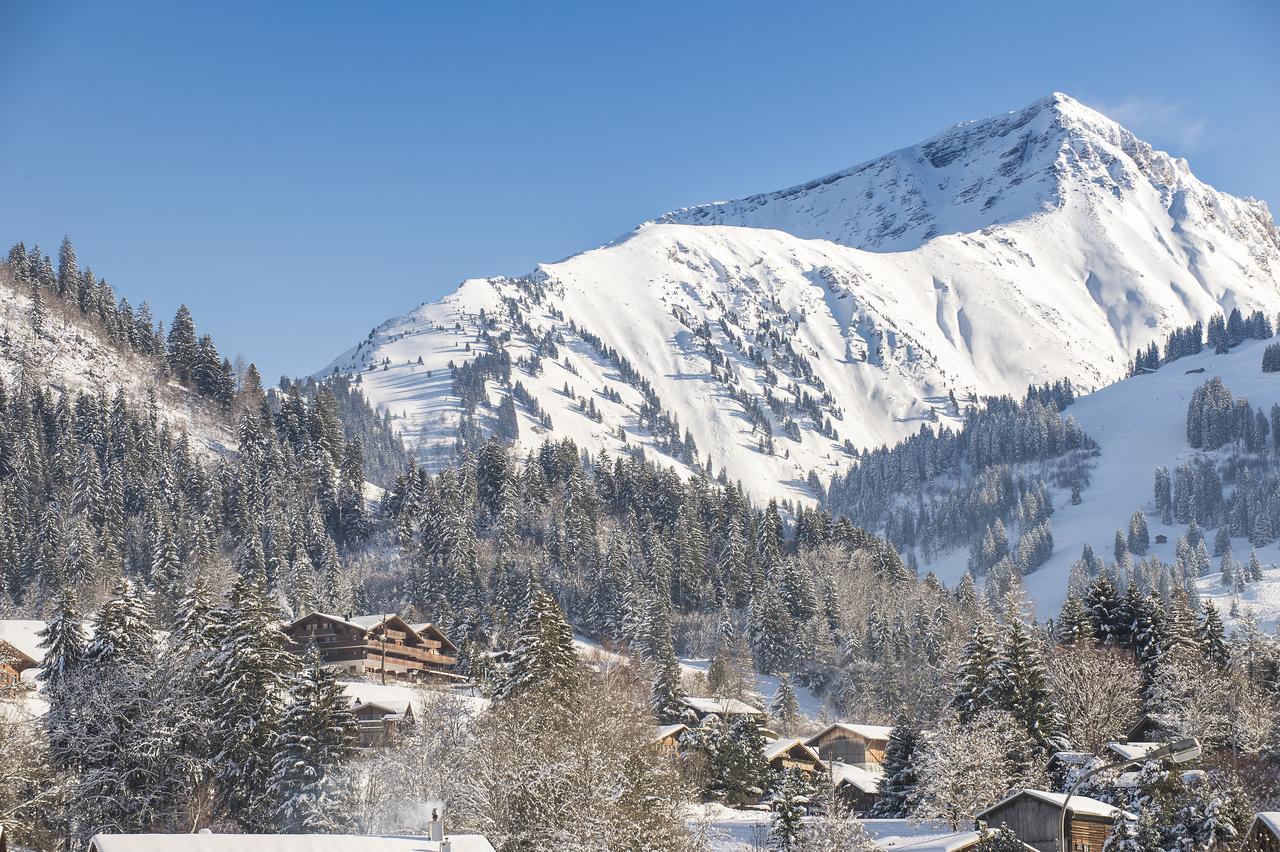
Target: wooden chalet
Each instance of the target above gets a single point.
(792, 753)
(379, 722)
(857, 745)
(13, 662)
(667, 737)
(1263, 834)
(1033, 815)
(857, 788)
(725, 708)
(383, 646)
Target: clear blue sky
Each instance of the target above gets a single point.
(298, 172)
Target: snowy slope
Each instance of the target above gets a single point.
(1021, 248)
(72, 356)
(1140, 424)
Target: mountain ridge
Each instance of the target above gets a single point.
(777, 351)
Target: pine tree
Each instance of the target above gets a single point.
(1074, 624)
(785, 834)
(976, 681)
(1023, 689)
(68, 272)
(898, 784)
(317, 735)
(1211, 636)
(37, 315)
(182, 344)
(63, 641)
(544, 660)
(252, 671)
(786, 707)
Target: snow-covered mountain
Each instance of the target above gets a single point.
(1043, 243)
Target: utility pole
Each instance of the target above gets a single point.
(384, 649)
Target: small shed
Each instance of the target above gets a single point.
(1150, 728)
(857, 788)
(1033, 815)
(854, 744)
(1161, 538)
(667, 737)
(1264, 833)
(792, 753)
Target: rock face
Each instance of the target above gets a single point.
(767, 336)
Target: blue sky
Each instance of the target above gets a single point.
(298, 172)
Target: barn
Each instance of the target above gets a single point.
(1264, 833)
(1034, 816)
(857, 788)
(857, 745)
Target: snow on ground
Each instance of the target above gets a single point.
(767, 685)
(732, 830)
(1140, 424)
(397, 696)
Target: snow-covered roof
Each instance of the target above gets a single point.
(397, 696)
(281, 843)
(867, 782)
(1270, 819)
(722, 706)
(867, 732)
(23, 635)
(1133, 751)
(1073, 758)
(1082, 805)
(669, 731)
(781, 746)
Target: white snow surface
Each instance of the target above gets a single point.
(1042, 243)
(1140, 424)
(282, 843)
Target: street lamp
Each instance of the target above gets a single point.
(1176, 752)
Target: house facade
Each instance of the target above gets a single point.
(378, 723)
(862, 746)
(384, 646)
(13, 663)
(1034, 816)
(792, 754)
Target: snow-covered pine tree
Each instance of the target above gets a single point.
(785, 707)
(898, 784)
(251, 671)
(545, 660)
(977, 677)
(1023, 689)
(317, 735)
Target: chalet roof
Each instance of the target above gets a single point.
(855, 776)
(366, 623)
(1133, 751)
(867, 732)
(722, 706)
(23, 636)
(666, 731)
(777, 748)
(10, 653)
(1080, 805)
(389, 710)
(902, 835)
(1270, 820)
(1072, 758)
(280, 843)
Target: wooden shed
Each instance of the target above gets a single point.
(1034, 815)
(857, 788)
(792, 753)
(13, 662)
(667, 737)
(857, 745)
(1263, 834)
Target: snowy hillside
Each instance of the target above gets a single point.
(1043, 243)
(72, 355)
(1140, 425)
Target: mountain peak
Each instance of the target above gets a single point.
(972, 176)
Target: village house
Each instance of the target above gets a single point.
(382, 646)
(1264, 834)
(725, 708)
(379, 722)
(857, 788)
(1034, 816)
(792, 753)
(862, 746)
(13, 662)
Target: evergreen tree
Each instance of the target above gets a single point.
(898, 784)
(786, 707)
(317, 735)
(977, 680)
(544, 660)
(252, 671)
(182, 345)
(1024, 689)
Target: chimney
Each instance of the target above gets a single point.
(436, 829)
